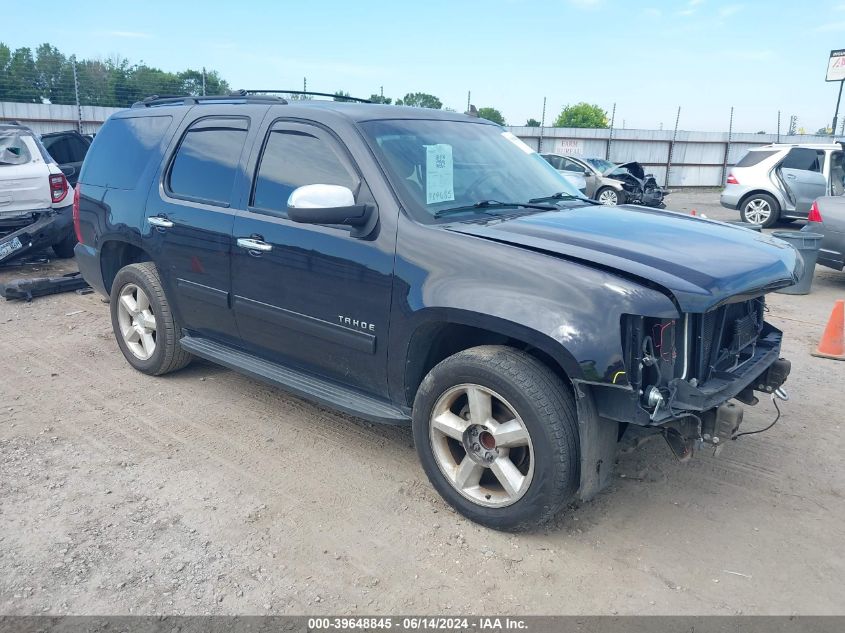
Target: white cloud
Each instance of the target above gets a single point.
(831, 26)
(129, 34)
(585, 4)
(692, 7)
(729, 10)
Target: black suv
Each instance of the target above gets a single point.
(418, 266)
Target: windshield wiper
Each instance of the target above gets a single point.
(562, 195)
(495, 204)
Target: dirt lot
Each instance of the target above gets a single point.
(206, 492)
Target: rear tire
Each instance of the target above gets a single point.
(143, 324)
(760, 208)
(64, 249)
(610, 197)
(530, 469)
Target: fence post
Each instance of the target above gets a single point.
(610, 136)
(672, 147)
(203, 81)
(728, 146)
(76, 94)
(778, 135)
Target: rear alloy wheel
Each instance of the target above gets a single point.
(143, 324)
(497, 434)
(610, 197)
(760, 209)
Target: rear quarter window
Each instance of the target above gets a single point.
(754, 157)
(122, 150)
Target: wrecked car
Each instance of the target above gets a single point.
(35, 197)
(612, 184)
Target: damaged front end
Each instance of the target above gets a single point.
(684, 373)
(639, 187)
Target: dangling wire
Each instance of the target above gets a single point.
(777, 417)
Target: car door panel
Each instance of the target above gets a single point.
(317, 298)
(190, 215)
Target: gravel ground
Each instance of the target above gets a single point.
(206, 492)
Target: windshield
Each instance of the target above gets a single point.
(440, 165)
(600, 164)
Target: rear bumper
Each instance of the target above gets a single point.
(41, 230)
(731, 196)
(88, 261)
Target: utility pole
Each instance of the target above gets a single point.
(778, 136)
(542, 124)
(305, 84)
(76, 93)
(203, 81)
(469, 95)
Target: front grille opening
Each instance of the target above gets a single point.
(728, 335)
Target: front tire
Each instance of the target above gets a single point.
(760, 208)
(143, 324)
(496, 432)
(610, 197)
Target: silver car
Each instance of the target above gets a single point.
(779, 182)
(569, 169)
(827, 216)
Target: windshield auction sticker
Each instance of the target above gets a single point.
(439, 174)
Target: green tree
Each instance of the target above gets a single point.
(824, 131)
(54, 75)
(18, 78)
(420, 100)
(582, 115)
(340, 95)
(491, 114)
(532, 123)
(380, 99)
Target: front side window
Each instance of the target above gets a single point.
(206, 163)
(293, 158)
(437, 166)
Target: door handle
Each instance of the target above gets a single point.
(790, 176)
(254, 245)
(160, 222)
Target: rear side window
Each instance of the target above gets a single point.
(756, 156)
(122, 150)
(294, 158)
(13, 150)
(802, 158)
(206, 163)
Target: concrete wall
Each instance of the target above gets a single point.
(43, 118)
(697, 157)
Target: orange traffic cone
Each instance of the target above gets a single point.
(832, 344)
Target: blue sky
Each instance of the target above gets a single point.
(648, 57)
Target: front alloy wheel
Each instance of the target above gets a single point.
(496, 431)
(481, 445)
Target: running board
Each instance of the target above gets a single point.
(297, 382)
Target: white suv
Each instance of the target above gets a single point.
(779, 181)
(35, 197)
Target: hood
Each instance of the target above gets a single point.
(701, 263)
(632, 167)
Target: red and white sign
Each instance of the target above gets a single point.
(836, 66)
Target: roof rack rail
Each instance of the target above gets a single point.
(305, 93)
(237, 96)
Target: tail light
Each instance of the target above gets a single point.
(76, 228)
(815, 214)
(58, 187)
(732, 180)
